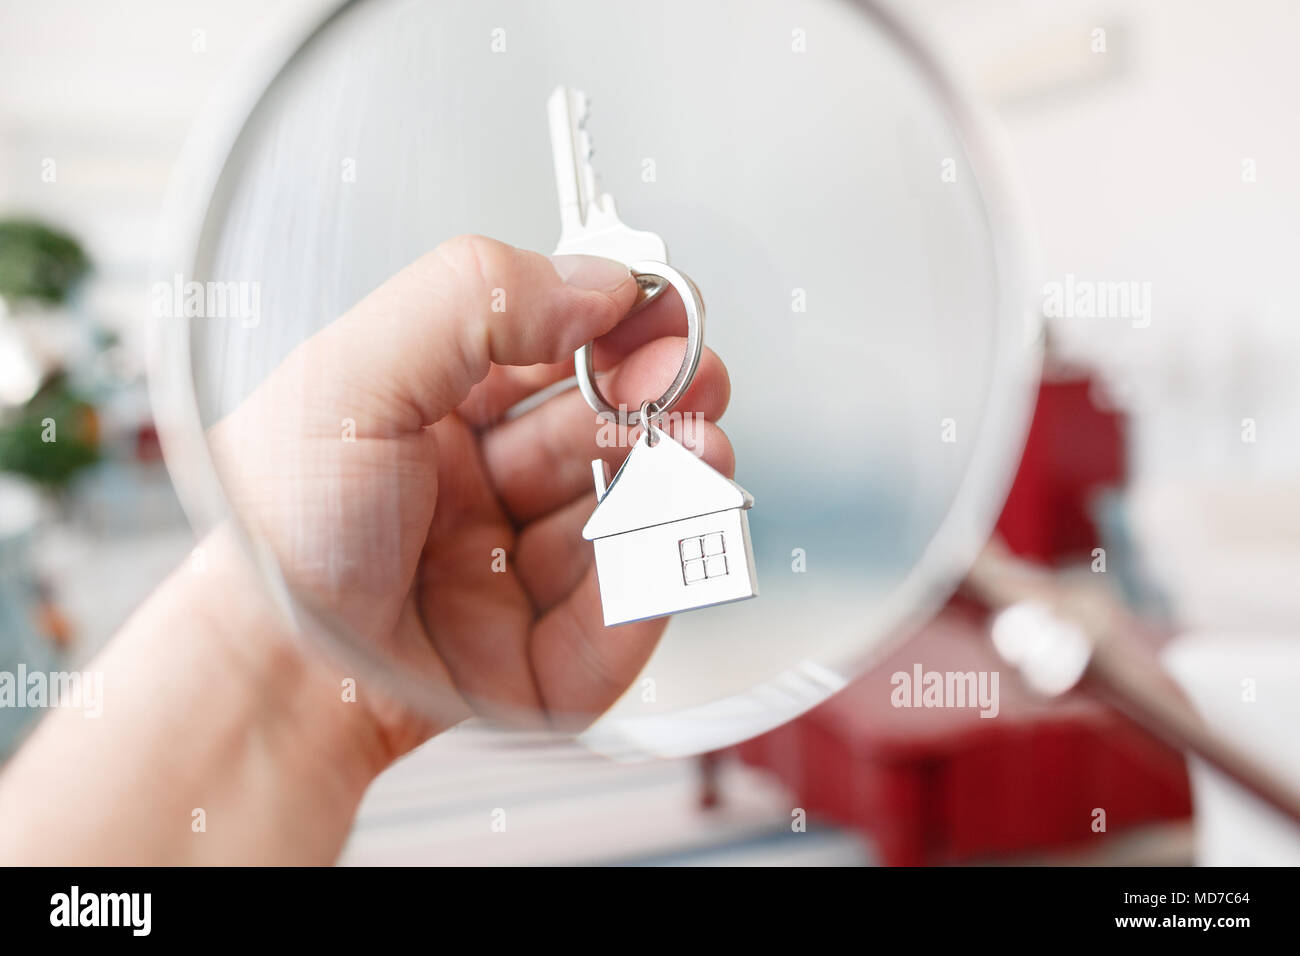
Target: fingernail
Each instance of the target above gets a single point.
(591, 272)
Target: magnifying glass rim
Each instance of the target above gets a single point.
(194, 195)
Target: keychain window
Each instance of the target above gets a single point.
(703, 557)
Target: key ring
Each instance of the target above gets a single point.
(690, 362)
(649, 412)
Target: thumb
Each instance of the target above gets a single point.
(410, 352)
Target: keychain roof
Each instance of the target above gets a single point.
(658, 484)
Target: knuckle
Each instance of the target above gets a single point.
(468, 268)
(479, 260)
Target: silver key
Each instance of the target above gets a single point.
(669, 533)
(589, 223)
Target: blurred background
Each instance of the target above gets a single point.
(1154, 143)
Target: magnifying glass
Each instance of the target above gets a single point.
(837, 201)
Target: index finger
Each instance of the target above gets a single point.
(507, 385)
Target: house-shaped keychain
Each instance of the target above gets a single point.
(671, 534)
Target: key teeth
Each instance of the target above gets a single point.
(590, 199)
(585, 151)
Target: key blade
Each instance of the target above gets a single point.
(589, 222)
(575, 180)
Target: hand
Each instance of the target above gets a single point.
(212, 711)
(376, 463)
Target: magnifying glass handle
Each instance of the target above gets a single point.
(1083, 637)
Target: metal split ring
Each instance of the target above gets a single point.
(649, 412)
(690, 362)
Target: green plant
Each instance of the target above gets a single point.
(38, 263)
(53, 437)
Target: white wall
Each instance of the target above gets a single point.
(1132, 161)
